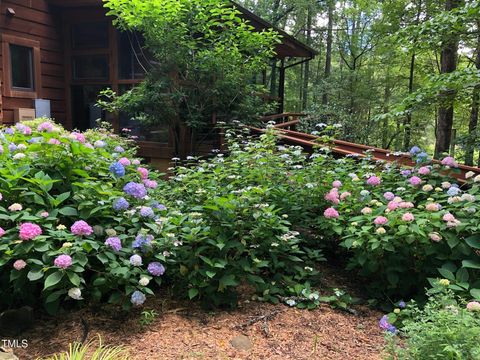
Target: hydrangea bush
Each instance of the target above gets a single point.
(402, 225)
(71, 206)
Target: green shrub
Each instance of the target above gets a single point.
(443, 329)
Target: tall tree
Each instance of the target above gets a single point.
(328, 50)
(448, 64)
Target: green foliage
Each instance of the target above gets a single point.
(204, 59)
(148, 317)
(443, 329)
(92, 351)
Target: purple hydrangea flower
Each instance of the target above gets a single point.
(120, 204)
(114, 242)
(12, 147)
(135, 189)
(9, 131)
(136, 260)
(389, 195)
(119, 149)
(402, 304)
(406, 172)
(117, 169)
(80, 228)
(137, 298)
(156, 269)
(146, 211)
(63, 261)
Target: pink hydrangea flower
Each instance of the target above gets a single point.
(392, 205)
(63, 261)
(54, 141)
(449, 161)
(124, 161)
(389, 196)
(337, 184)
(344, 195)
(405, 205)
(415, 181)
(473, 306)
(434, 236)
(2, 232)
(408, 217)
(79, 137)
(45, 126)
(29, 231)
(332, 196)
(143, 172)
(135, 162)
(424, 170)
(81, 228)
(374, 180)
(44, 214)
(151, 184)
(433, 207)
(19, 265)
(380, 220)
(331, 213)
(448, 217)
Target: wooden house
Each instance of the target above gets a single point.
(56, 55)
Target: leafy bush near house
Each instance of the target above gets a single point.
(445, 328)
(64, 235)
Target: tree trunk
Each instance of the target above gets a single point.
(386, 99)
(306, 74)
(472, 125)
(328, 53)
(408, 121)
(448, 64)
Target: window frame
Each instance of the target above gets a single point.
(9, 90)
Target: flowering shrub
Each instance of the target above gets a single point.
(405, 225)
(445, 328)
(67, 227)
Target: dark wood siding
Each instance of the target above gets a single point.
(36, 20)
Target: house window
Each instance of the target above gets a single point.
(93, 67)
(22, 71)
(133, 58)
(21, 65)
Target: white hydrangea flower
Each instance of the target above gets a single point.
(75, 293)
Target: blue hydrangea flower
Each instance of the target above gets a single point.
(453, 191)
(146, 211)
(415, 150)
(9, 131)
(402, 304)
(135, 189)
(117, 169)
(99, 144)
(35, 140)
(120, 204)
(142, 242)
(138, 298)
(119, 149)
(12, 147)
(422, 158)
(406, 172)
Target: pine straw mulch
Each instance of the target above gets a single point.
(185, 331)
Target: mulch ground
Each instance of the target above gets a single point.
(185, 331)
